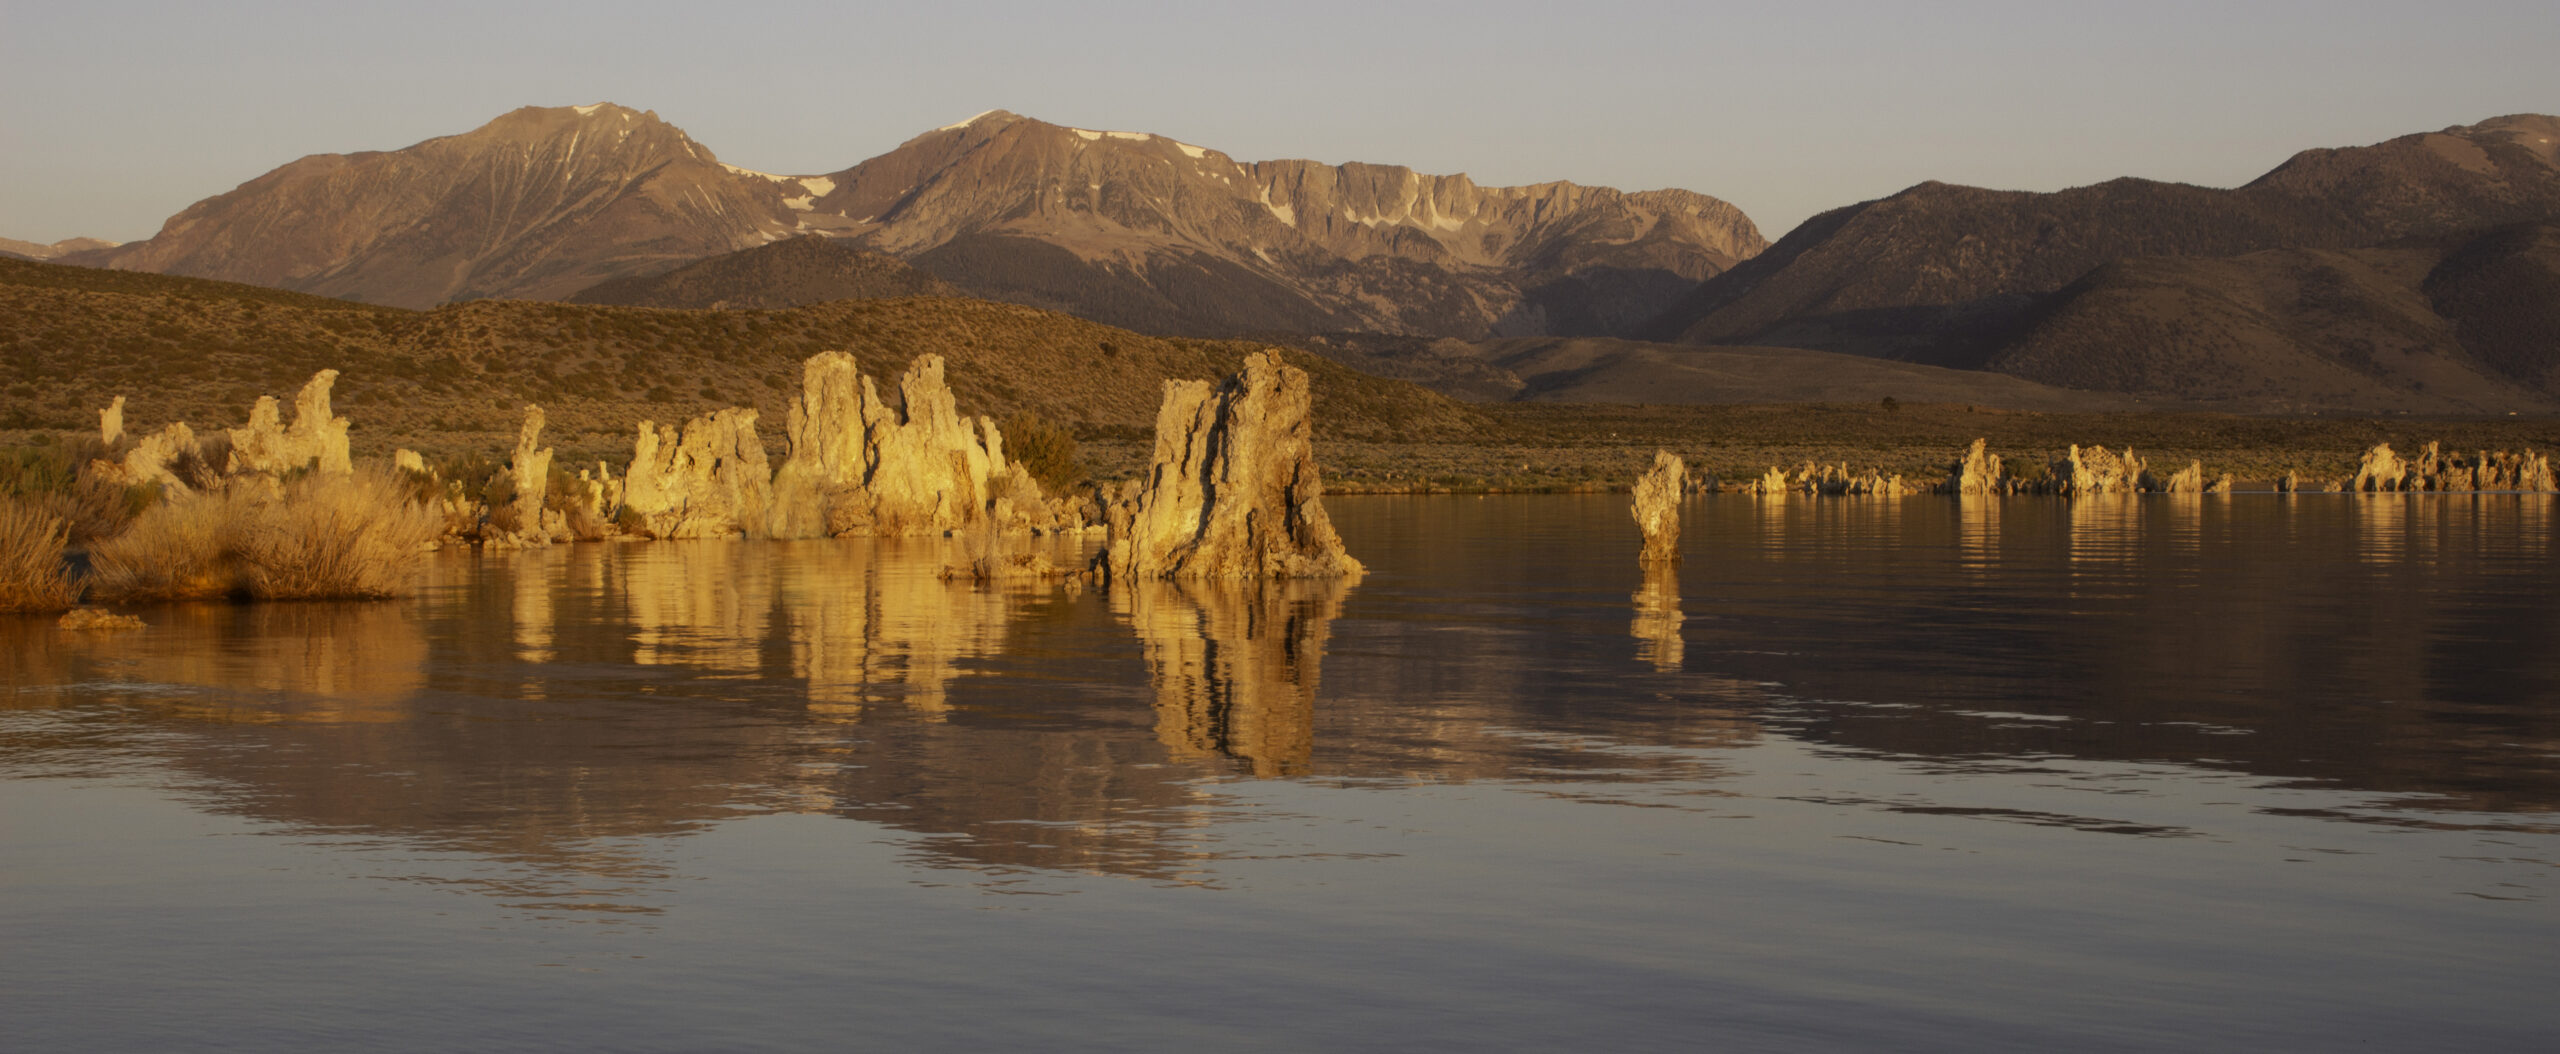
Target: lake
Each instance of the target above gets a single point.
(1924, 774)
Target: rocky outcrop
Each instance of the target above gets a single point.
(1771, 483)
(1977, 472)
(1233, 491)
(2093, 471)
(2380, 470)
(2430, 469)
(315, 439)
(928, 466)
(1657, 508)
(2188, 480)
(709, 480)
(156, 459)
(527, 519)
(860, 466)
(111, 423)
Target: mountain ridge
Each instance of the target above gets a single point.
(1125, 227)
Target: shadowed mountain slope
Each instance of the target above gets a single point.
(2459, 324)
(792, 273)
(1943, 274)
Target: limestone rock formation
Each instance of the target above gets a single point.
(2188, 480)
(708, 480)
(2221, 484)
(2431, 469)
(1772, 483)
(1978, 472)
(111, 423)
(314, 440)
(98, 619)
(928, 466)
(2380, 470)
(1657, 507)
(859, 465)
(2093, 471)
(1233, 491)
(155, 459)
(528, 519)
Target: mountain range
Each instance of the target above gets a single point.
(2419, 274)
(2386, 276)
(1127, 228)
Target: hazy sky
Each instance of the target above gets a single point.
(115, 115)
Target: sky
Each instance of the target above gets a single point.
(115, 115)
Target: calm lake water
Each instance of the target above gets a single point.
(2159, 773)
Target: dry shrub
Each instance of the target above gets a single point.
(351, 537)
(321, 537)
(31, 572)
(1044, 449)
(187, 550)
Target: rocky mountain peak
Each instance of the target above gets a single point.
(1129, 227)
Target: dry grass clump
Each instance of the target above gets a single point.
(321, 537)
(31, 572)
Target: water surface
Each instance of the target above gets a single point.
(1922, 774)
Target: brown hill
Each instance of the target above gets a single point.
(201, 351)
(1125, 227)
(791, 273)
(41, 251)
(1943, 274)
(1614, 370)
(538, 203)
(2462, 324)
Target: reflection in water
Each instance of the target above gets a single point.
(872, 619)
(536, 578)
(2382, 526)
(695, 604)
(2105, 528)
(1978, 533)
(1658, 618)
(264, 663)
(1235, 664)
(557, 713)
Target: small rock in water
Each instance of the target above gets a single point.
(96, 618)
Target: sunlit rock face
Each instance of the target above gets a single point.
(1657, 507)
(1235, 667)
(2094, 471)
(528, 519)
(709, 480)
(1233, 491)
(2380, 469)
(861, 466)
(2188, 480)
(1978, 472)
(2431, 469)
(314, 440)
(154, 459)
(929, 466)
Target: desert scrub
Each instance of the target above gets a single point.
(1044, 449)
(322, 537)
(31, 572)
